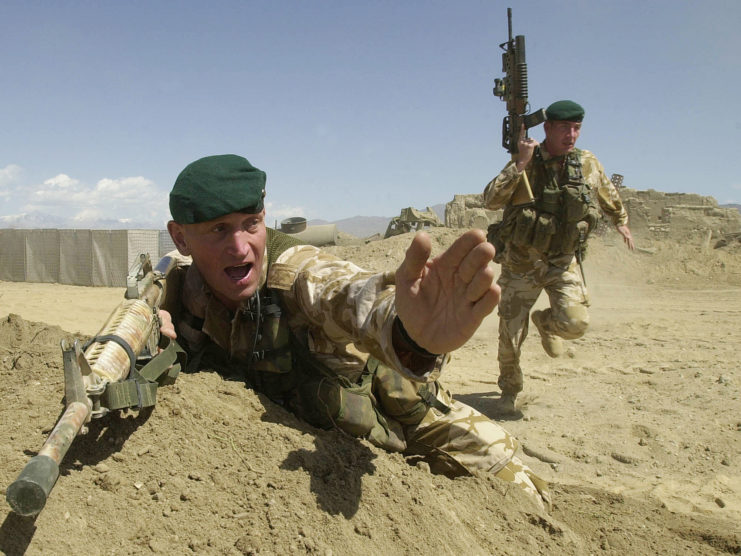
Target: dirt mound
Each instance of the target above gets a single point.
(620, 428)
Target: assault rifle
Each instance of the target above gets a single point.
(513, 90)
(120, 368)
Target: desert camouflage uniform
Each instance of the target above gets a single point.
(348, 314)
(526, 272)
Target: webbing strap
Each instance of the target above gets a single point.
(118, 340)
(140, 389)
(431, 399)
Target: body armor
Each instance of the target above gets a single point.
(560, 219)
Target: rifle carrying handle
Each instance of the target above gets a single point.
(28, 493)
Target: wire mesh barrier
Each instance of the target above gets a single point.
(76, 257)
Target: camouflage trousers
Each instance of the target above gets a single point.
(567, 316)
(452, 437)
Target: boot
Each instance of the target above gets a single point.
(506, 404)
(552, 344)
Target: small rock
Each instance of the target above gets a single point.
(622, 458)
(720, 503)
(423, 466)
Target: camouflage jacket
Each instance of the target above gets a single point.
(346, 312)
(499, 190)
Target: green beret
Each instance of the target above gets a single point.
(214, 186)
(566, 110)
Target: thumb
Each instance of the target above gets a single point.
(415, 259)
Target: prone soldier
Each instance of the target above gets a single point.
(337, 345)
(540, 243)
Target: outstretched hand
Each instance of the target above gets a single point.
(441, 302)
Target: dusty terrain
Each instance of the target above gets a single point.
(638, 429)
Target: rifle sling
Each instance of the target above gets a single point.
(118, 340)
(140, 389)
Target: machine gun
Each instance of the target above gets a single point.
(513, 90)
(121, 367)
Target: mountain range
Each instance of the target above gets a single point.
(358, 226)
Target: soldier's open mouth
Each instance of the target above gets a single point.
(238, 272)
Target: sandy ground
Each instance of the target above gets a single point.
(637, 427)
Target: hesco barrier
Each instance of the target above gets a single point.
(77, 257)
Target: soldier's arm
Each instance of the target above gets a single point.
(345, 304)
(607, 196)
(499, 190)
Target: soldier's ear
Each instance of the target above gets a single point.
(177, 233)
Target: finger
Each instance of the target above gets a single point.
(480, 284)
(486, 303)
(478, 258)
(416, 258)
(461, 247)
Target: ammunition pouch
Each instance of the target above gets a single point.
(576, 203)
(497, 234)
(522, 235)
(580, 218)
(550, 200)
(327, 400)
(545, 228)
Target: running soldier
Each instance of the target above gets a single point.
(540, 243)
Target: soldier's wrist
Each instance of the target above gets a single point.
(406, 343)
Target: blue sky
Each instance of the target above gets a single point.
(352, 108)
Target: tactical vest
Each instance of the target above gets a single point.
(282, 367)
(562, 216)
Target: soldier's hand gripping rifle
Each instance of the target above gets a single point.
(119, 368)
(513, 90)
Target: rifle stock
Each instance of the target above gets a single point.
(119, 368)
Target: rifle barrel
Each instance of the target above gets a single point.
(28, 493)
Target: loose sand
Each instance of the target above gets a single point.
(638, 429)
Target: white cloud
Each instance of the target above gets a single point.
(88, 215)
(135, 198)
(8, 176)
(60, 188)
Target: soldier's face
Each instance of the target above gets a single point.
(228, 252)
(561, 136)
